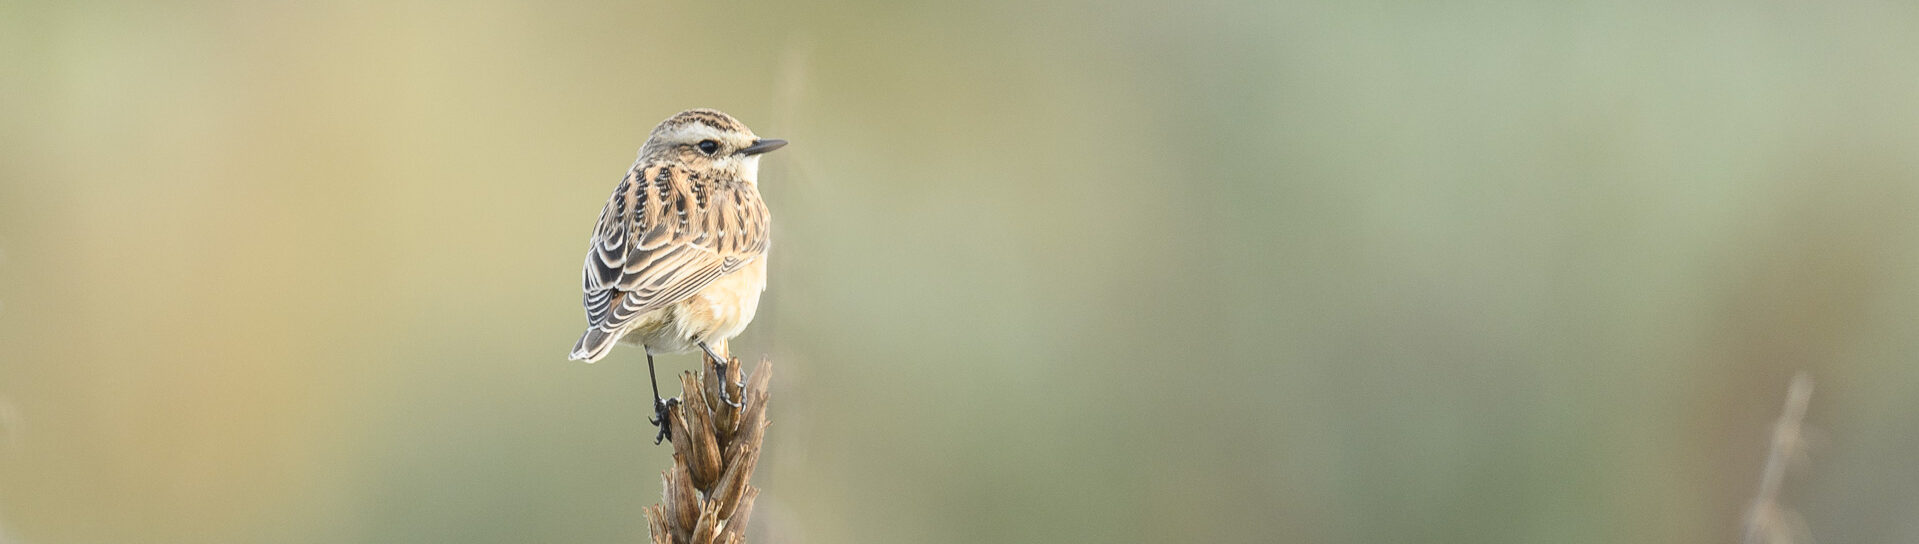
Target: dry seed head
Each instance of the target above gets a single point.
(707, 497)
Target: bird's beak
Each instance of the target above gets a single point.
(763, 145)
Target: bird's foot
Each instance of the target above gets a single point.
(662, 410)
(720, 364)
(724, 396)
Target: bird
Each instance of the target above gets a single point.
(677, 261)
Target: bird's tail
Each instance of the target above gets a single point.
(593, 345)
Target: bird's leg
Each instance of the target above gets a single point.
(721, 366)
(660, 406)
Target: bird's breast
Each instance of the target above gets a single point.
(719, 311)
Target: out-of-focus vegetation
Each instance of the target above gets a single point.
(1342, 272)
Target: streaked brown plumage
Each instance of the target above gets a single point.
(678, 259)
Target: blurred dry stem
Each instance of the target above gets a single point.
(1767, 522)
(706, 496)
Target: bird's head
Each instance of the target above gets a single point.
(711, 141)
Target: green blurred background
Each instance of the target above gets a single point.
(1344, 272)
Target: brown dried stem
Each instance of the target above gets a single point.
(706, 497)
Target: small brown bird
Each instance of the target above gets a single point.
(678, 259)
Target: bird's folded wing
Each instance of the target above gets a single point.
(664, 235)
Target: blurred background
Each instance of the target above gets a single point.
(1342, 272)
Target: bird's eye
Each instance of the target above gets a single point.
(709, 146)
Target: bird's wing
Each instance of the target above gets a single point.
(664, 234)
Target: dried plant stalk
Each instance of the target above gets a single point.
(1767, 521)
(706, 497)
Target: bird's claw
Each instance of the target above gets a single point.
(662, 409)
(724, 397)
